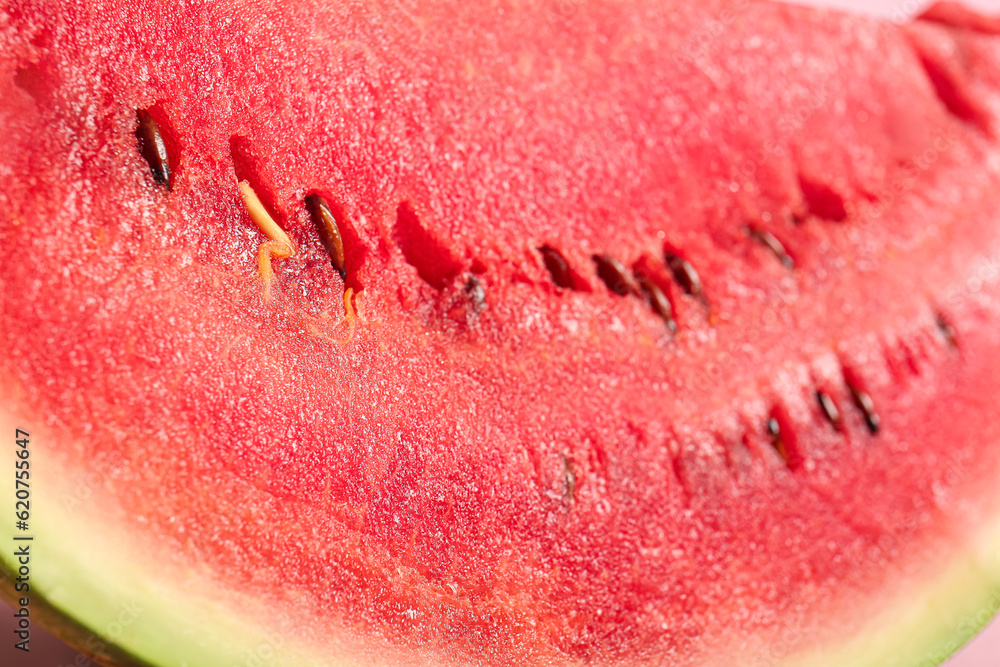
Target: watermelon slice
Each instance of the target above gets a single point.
(510, 333)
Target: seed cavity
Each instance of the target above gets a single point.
(829, 408)
(684, 273)
(614, 274)
(771, 242)
(278, 244)
(329, 232)
(658, 301)
(431, 258)
(558, 267)
(153, 148)
(250, 167)
(822, 200)
(949, 81)
(38, 81)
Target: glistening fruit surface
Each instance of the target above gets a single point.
(490, 451)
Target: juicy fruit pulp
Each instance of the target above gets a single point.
(662, 332)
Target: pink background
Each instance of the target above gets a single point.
(984, 651)
(892, 9)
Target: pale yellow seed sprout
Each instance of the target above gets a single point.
(278, 244)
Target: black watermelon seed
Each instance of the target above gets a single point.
(569, 480)
(685, 274)
(774, 245)
(774, 430)
(466, 308)
(477, 295)
(558, 267)
(329, 232)
(658, 301)
(947, 331)
(153, 148)
(614, 275)
(829, 409)
(867, 407)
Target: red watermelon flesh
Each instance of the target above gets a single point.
(666, 334)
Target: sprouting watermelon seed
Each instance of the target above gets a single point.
(773, 244)
(685, 274)
(329, 232)
(867, 407)
(278, 244)
(614, 275)
(829, 409)
(658, 301)
(558, 267)
(153, 148)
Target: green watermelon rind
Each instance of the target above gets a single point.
(82, 561)
(126, 609)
